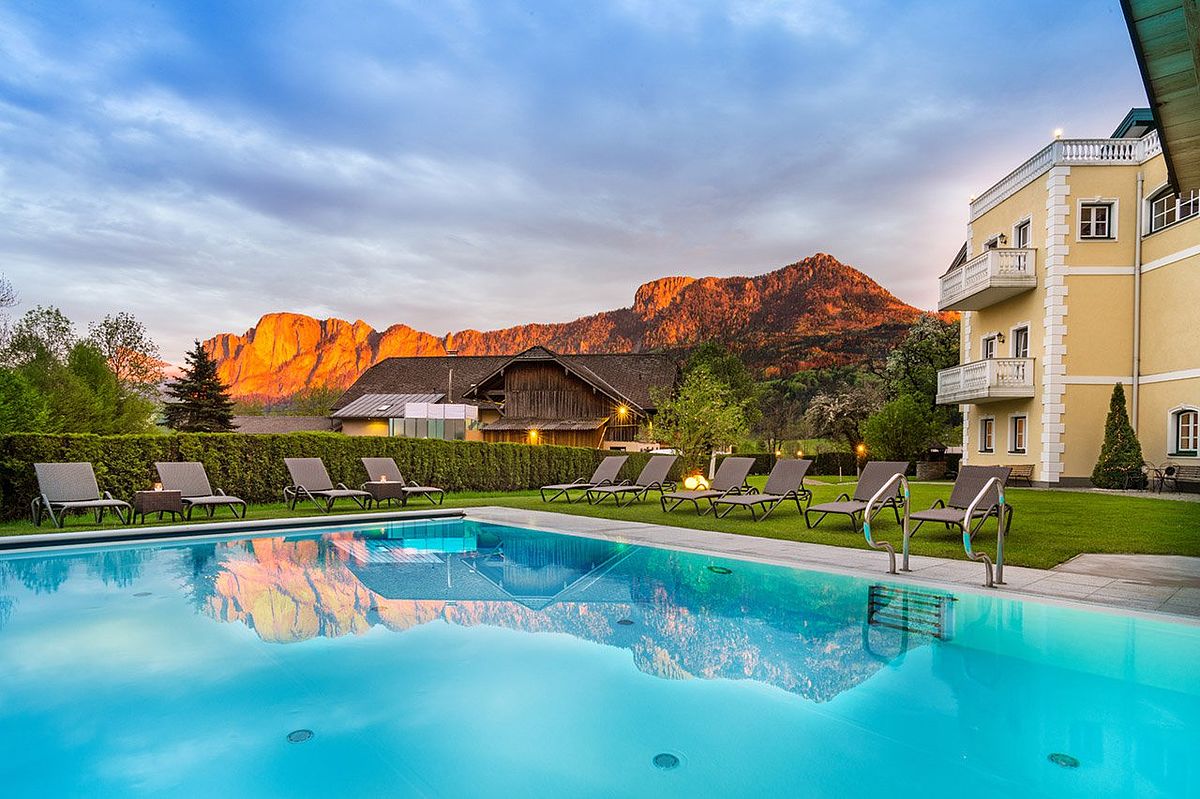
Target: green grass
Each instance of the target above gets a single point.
(1049, 527)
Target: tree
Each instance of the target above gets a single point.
(781, 415)
(930, 345)
(131, 353)
(8, 299)
(839, 414)
(42, 330)
(312, 401)
(200, 401)
(730, 370)
(701, 417)
(1120, 455)
(22, 407)
(901, 430)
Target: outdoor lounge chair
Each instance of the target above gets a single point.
(653, 478)
(729, 479)
(970, 481)
(785, 482)
(191, 480)
(386, 468)
(64, 487)
(605, 474)
(311, 480)
(874, 475)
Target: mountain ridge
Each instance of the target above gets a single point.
(814, 312)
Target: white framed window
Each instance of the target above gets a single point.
(1167, 207)
(1021, 234)
(1017, 426)
(1020, 342)
(987, 434)
(1097, 219)
(999, 240)
(988, 347)
(1185, 432)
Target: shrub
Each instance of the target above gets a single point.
(1120, 463)
(900, 431)
(251, 466)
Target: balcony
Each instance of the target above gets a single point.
(988, 278)
(986, 381)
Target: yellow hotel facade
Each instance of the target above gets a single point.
(1081, 270)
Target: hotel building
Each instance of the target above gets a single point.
(1081, 270)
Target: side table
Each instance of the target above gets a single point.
(385, 491)
(159, 502)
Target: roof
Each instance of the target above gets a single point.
(382, 406)
(508, 423)
(425, 374)
(627, 377)
(959, 259)
(282, 424)
(1136, 124)
(1166, 41)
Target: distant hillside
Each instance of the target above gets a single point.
(817, 312)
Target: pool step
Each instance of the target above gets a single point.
(911, 611)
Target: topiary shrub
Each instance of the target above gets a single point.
(1120, 463)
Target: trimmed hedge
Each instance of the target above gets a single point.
(824, 463)
(251, 466)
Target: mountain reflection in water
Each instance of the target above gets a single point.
(790, 629)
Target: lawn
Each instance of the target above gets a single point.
(1049, 527)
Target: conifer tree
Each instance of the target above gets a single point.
(200, 402)
(1120, 463)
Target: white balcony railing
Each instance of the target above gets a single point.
(987, 380)
(988, 278)
(1067, 152)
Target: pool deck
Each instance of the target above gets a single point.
(1134, 583)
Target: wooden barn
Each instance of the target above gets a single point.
(535, 397)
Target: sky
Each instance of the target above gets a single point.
(463, 164)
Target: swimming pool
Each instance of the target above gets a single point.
(462, 659)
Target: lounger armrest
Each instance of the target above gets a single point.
(753, 490)
(344, 487)
(108, 495)
(412, 483)
(937, 504)
(843, 497)
(220, 492)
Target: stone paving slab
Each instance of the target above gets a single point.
(1163, 584)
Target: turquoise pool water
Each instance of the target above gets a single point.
(459, 659)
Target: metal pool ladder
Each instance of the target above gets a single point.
(911, 611)
(1001, 519)
(877, 498)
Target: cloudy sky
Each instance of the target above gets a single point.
(453, 164)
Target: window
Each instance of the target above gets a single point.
(994, 242)
(1095, 221)
(1167, 208)
(1185, 431)
(1021, 235)
(1020, 343)
(1016, 434)
(987, 435)
(989, 347)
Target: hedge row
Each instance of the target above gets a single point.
(251, 466)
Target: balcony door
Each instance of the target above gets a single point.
(1021, 235)
(1020, 346)
(989, 348)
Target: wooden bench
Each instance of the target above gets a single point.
(1021, 471)
(1183, 474)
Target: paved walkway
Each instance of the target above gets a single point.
(1161, 584)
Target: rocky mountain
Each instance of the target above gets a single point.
(816, 312)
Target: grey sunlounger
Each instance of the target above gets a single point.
(952, 512)
(874, 476)
(653, 478)
(729, 479)
(65, 487)
(310, 480)
(784, 483)
(605, 474)
(190, 479)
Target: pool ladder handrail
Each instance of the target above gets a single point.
(1001, 515)
(884, 546)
